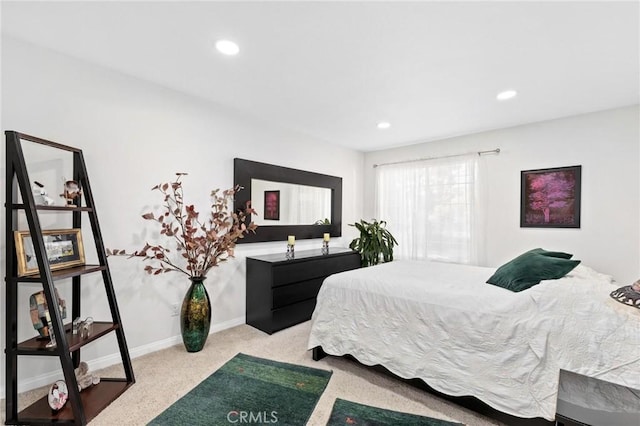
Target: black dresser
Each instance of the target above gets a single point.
(282, 292)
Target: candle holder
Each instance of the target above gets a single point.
(291, 251)
(325, 243)
(325, 247)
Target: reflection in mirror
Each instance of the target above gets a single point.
(269, 190)
(280, 203)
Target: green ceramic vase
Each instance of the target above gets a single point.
(195, 316)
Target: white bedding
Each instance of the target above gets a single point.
(441, 323)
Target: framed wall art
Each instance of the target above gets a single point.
(64, 249)
(272, 205)
(550, 198)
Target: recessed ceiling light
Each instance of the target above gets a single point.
(227, 47)
(384, 125)
(507, 94)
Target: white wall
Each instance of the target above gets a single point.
(134, 135)
(606, 144)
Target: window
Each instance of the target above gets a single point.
(431, 207)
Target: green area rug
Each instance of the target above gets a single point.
(250, 390)
(349, 413)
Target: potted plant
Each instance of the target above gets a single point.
(374, 242)
(199, 246)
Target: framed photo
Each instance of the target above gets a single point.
(58, 395)
(64, 249)
(550, 198)
(272, 205)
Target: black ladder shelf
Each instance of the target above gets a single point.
(83, 406)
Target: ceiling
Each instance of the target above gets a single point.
(333, 70)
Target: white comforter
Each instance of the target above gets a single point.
(441, 323)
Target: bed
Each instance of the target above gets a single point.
(443, 324)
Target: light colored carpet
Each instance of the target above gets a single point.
(165, 376)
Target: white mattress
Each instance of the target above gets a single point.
(441, 323)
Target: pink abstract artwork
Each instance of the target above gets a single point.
(551, 198)
(272, 205)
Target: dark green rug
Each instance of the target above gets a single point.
(250, 390)
(349, 413)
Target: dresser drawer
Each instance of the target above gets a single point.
(297, 292)
(315, 268)
(292, 314)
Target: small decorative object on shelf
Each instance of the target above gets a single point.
(325, 243)
(40, 312)
(76, 325)
(84, 378)
(58, 395)
(86, 328)
(52, 335)
(71, 192)
(291, 243)
(40, 195)
(83, 328)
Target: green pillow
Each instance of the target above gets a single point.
(531, 267)
(551, 253)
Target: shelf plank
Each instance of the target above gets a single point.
(94, 399)
(37, 345)
(55, 208)
(46, 142)
(61, 274)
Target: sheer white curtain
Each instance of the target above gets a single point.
(433, 208)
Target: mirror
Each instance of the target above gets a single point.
(288, 201)
(289, 204)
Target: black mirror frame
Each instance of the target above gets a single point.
(245, 170)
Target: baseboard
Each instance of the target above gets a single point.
(227, 324)
(112, 359)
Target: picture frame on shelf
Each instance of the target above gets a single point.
(58, 395)
(550, 198)
(64, 249)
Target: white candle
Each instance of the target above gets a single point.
(326, 236)
(291, 240)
